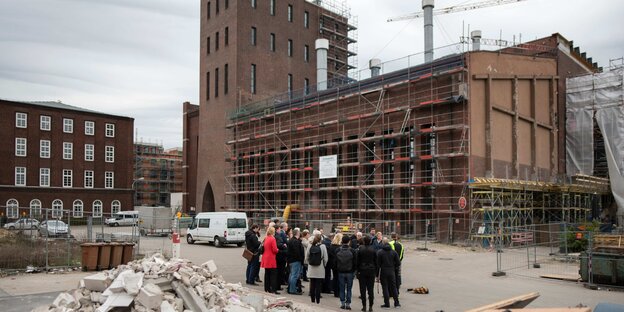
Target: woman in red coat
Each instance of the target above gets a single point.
(269, 262)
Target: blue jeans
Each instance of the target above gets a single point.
(345, 283)
(253, 267)
(295, 272)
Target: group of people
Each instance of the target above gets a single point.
(329, 263)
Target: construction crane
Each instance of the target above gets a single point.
(428, 13)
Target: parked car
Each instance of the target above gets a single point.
(219, 228)
(123, 218)
(53, 228)
(23, 224)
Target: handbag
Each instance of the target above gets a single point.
(260, 250)
(247, 254)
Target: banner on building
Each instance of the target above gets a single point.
(328, 167)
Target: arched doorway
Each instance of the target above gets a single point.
(208, 203)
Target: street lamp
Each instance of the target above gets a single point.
(135, 193)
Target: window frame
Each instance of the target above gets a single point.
(272, 7)
(57, 208)
(45, 120)
(109, 154)
(68, 125)
(88, 178)
(254, 36)
(306, 53)
(109, 176)
(97, 204)
(290, 48)
(45, 152)
(272, 42)
(115, 206)
(306, 19)
(290, 13)
(12, 208)
(21, 147)
(77, 208)
(68, 178)
(20, 176)
(21, 120)
(109, 130)
(89, 152)
(44, 173)
(35, 208)
(89, 125)
(68, 150)
(253, 87)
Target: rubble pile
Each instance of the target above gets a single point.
(155, 284)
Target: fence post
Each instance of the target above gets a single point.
(90, 228)
(499, 251)
(449, 237)
(565, 239)
(590, 248)
(68, 238)
(535, 264)
(426, 232)
(47, 263)
(526, 245)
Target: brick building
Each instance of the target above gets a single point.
(69, 159)
(157, 174)
(251, 50)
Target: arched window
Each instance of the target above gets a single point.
(78, 208)
(12, 209)
(97, 209)
(115, 206)
(35, 208)
(57, 208)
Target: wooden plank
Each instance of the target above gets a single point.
(571, 278)
(515, 302)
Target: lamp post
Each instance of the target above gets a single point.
(135, 192)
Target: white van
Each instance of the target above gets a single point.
(123, 218)
(218, 228)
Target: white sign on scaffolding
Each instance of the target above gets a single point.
(328, 167)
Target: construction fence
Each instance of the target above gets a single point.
(50, 239)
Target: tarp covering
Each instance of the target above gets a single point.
(599, 96)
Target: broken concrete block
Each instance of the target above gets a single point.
(115, 300)
(150, 296)
(210, 265)
(96, 296)
(133, 282)
(97, 282)
(65, 300)
(166, 307)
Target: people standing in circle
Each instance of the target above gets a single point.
(294, 257)
(366, 271)
(389, 266)
(346, 263)
(269, 262)
(317, 258)
(398, 248)
(335, 244)
(252, 244)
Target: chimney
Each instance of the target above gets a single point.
(427, 6)
(322, 45)
(476, 40)
(375, 67)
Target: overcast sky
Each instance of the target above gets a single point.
(140, 58)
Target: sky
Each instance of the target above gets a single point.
(140, 58)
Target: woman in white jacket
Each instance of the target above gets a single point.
(316, 272)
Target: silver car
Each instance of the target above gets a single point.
(23, 224)
(53, 228)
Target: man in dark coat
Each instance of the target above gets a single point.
(367, 271)
(253, 243)
(295, 258)
(389, 265)
(327, 282)
(282, 244)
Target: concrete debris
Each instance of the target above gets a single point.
(157, 284)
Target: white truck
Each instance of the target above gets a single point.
(155, 220)
(219, 228)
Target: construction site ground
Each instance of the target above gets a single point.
(458, 278)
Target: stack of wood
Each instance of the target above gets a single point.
(609, 243)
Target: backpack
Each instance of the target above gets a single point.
(316, 256)
(344, 260)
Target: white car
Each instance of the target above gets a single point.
(123, 218)
(219, 228)
(53, 228)
(23, 224)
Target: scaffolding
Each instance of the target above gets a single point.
(503, 205)
(401, 140)
(157, 174)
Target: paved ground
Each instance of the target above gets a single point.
(458, 279)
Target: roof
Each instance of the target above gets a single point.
(63, 106)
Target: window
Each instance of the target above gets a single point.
(208, 45)
(21, 120)
(208, 10)
(208, 86)
(306, 19)
(68, 125)
(306, 53)
(272, 7)
(115, 206)
(217, 6)
(97, 209)
(57, 208)
(88, 179)
(290, 80)
(253, 4)
(45, 123)
(67, 178)
(110, 154)
(89, 152)
(290, 13)
(290, 47)
(217, 41)
(109, 179)
(272, 43)
(89, 128)
(253, 36)
(78, 208)
(225, 79)
(12, 209)
(68, 150)
(44, 149)
(20, 176)
(203, 223)
(253, 78)
(227, 4)
(110, 130)
(44, 177)
(216, 86)
(227, 36)
(35, 208)
(306, 86)
(20, 147)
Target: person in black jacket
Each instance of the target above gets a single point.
(295, 258)
(346, 264)
(367, 270)
(327, 282)
(282, 244)
(252, 242)
(389, 265)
